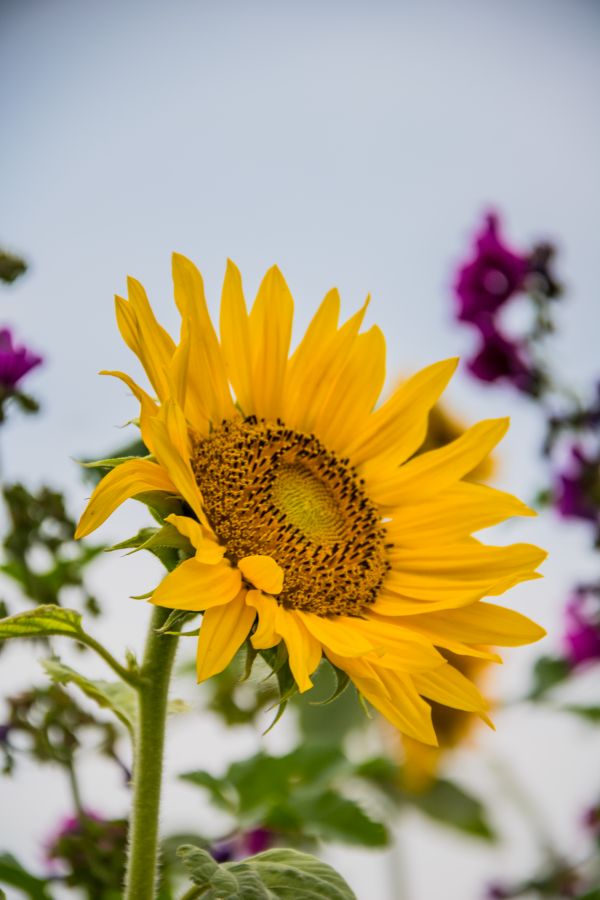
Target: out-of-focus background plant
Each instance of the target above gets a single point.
(142, 177)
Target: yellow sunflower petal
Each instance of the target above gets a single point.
(315, 374)
(235, 339)
(337, 633)
(393, 695)
(454, 514)
(207, 550)
(436, 470)
(266, 635)
(195, 586)
(467, 566)
(303, 649)
(355, 394)
(131, 478)
(450, 687)
(263, 572)
(170, 440)
(223, 631)
(398, 428)
(270, 325)
(155, 346)
(208, 386)
(305, 360)
(484, 623)
(148, 406)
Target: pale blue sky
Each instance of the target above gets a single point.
(352, 143)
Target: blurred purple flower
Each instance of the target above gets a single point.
(582, 632)
(493, 275)
(247, 843)
(499, 358)
(15, 362)
(577, 493)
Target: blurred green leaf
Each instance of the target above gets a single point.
(294, 795)
(42, 622)
(121, 698)
(590, 713)
(548, 672)
(12, 873)
(449, 804)
(11, 267)
(273, 875)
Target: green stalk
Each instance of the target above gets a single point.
(155, 675)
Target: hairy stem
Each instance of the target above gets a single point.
(155, 676)
(123, 673)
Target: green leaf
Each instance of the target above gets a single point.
(590, 713)
(12, 873)
(42, 622)
(548, 672)
(117, 696)
(274, 875)
(445, 802)
(221, 791)
(331, 817)
(291, 875)
(342, 682)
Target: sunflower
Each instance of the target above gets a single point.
(453, 727)
(309, 519)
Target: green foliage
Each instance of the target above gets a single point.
(298, 795)
(13, 874)
(449, 804)
(46, 723)
(117, 696)
(273, 875)
(548, 673)
(40, 527)
(591, 714)
(42, 622)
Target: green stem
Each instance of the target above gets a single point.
(123, 673)
(155, 675)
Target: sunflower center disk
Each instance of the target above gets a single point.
(273, 491)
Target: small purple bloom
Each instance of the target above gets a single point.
(582, 633)
(245, 843)
(499, 358)
(577, 494)
(15, 362)
(493, 275)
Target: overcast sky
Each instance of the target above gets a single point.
(354, 144)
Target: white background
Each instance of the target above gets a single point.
(354, 144)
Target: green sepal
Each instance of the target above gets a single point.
(110, 463)
(175, 617)
(272, 875)
(117, 696)
(342, 682)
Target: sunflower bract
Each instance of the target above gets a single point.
(312, 520)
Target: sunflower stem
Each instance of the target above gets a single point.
(142, 858)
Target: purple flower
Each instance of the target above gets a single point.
(15, 362)
(493, 275)
(243, 844)
(582, 633)
(499, 358)
(577, 494)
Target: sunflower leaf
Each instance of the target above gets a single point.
(273, 875)
(42, 622)
(449, 804)
(343, 680)
(548, 673)
(117, 696)
(589, 713)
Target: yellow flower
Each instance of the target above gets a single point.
(309, 520)
(452, 727)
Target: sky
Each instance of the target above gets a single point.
(354, 144)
